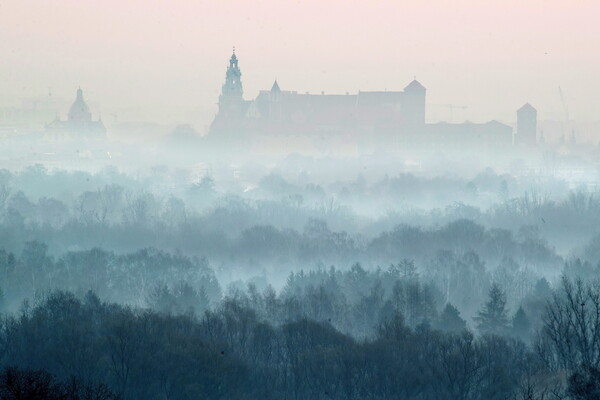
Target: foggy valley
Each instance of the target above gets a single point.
(286, 243)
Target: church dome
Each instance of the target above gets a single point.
(79, 110)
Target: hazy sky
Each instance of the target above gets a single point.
(164, 61)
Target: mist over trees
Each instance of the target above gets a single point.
(299, 200)
(160, 284)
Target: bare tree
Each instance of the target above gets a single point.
(571, 334)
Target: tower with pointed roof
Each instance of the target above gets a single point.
(232, 106)
(231, 91)
(275, 102)
(526, 125)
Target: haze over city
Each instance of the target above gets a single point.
(320, 200)
(163, 61)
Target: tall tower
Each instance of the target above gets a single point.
(526, 125)
(232, 107)
(231, 91)
(413, 105)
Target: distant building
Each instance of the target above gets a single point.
(491, 135)
(380, 117)
(526, 125)
(79, 123)
(30, 117)
(232, 106)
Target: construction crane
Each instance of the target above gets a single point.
(451, 107)
(564, 104)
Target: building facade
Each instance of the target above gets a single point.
(78, 125)
(394, 118)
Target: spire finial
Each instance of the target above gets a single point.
(233, 49)
(79, 93)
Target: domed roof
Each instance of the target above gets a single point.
(79, 110)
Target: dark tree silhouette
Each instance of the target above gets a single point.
(584, 384)
(492, 318)
(521, 327)
(450, 320)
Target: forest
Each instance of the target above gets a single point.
(143, 286)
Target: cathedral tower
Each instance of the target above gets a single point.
(232, 107)
(231, 91)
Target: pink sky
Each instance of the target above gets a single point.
(164, 61)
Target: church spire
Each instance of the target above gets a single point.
(233, 59)
(233, 84)
(275, 88)
(231, 100)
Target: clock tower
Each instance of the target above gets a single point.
(231, 91)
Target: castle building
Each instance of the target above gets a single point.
(526, 125)
(384, 117)
(79, 123)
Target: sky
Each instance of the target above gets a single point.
(164, 61)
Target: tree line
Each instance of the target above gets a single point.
(66, 344)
